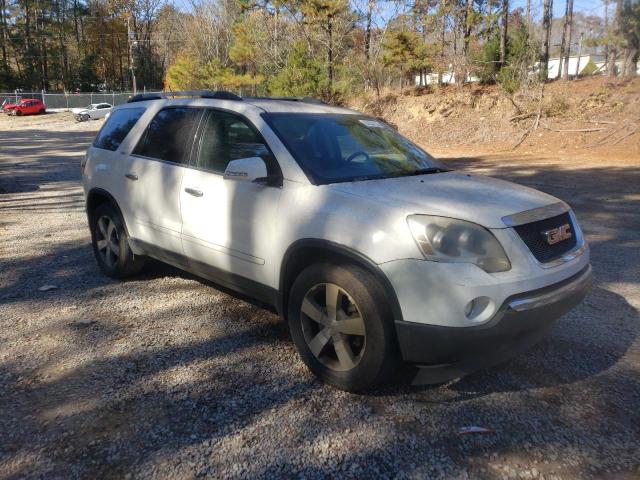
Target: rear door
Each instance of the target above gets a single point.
(153, 176)
(228, 225)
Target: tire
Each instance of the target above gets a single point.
(18, 113)
(42, 112)
(355, 356)
(111, 244)
(86, 118)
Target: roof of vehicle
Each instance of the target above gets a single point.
(266, 104)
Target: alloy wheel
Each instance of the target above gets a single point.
(107, 241)
(333, 327)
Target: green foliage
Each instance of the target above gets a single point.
(522, 52)
(87, 76)
(406, 51)
(487, 60)
(508, 79)
(188, 74)
(303, 75)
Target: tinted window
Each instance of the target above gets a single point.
(117, 126)
(343, 148)
(168, 134)
(226, 137)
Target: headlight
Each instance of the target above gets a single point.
(443, 239)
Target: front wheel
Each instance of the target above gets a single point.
(111, 245)
(342, 326)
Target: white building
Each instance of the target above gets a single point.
(584, 65)
(447, 78)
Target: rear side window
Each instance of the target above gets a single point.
(117, 127)
(168, 134)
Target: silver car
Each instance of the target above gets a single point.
(92, 112)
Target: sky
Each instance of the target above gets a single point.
(589, 7)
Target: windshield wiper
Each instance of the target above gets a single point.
(429, 170)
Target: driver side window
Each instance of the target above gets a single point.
(226, 137)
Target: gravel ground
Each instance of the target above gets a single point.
(166, 376)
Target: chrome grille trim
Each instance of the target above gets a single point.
(535, 214)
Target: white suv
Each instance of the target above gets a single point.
(373, 251)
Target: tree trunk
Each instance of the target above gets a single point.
(546, 26)
(442, 41)
(27, 44)
(565, 48)
(330, 53)
(611, 69)
(367, 32)
(504, 25)
(606, 34)
(468, 16)
(632, 51)
(3, 36)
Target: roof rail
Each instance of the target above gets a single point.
(219, 94)
(290, 99)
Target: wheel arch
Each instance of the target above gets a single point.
(308, 251)
(99, 196)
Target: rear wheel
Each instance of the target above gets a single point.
(342, 326)
(18, 113)
(86, 118)
(42, 112)
(111, 244)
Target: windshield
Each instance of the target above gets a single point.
(343, 148)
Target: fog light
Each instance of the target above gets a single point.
(479, 309)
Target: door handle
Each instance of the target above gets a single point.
(194, 192)
(131, 176)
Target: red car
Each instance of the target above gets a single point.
(28, 106)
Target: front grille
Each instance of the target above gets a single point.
(533, 236)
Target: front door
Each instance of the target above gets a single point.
(153, 175)
(228, 225)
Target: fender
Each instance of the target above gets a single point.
(104, 193)
(338, 250)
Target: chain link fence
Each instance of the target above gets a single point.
(66, 101)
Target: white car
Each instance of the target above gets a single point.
(374, 252)
(92, 112)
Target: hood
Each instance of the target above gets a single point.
(79, 110)
(475, 198)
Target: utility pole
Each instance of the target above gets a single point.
(131, 45)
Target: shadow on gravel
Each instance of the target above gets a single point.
(33, 157)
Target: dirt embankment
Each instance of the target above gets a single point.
(593, 116)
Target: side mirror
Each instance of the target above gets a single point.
(246, 169)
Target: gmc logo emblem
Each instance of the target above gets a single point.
(558, 234)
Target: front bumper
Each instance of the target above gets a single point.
(444, 353)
